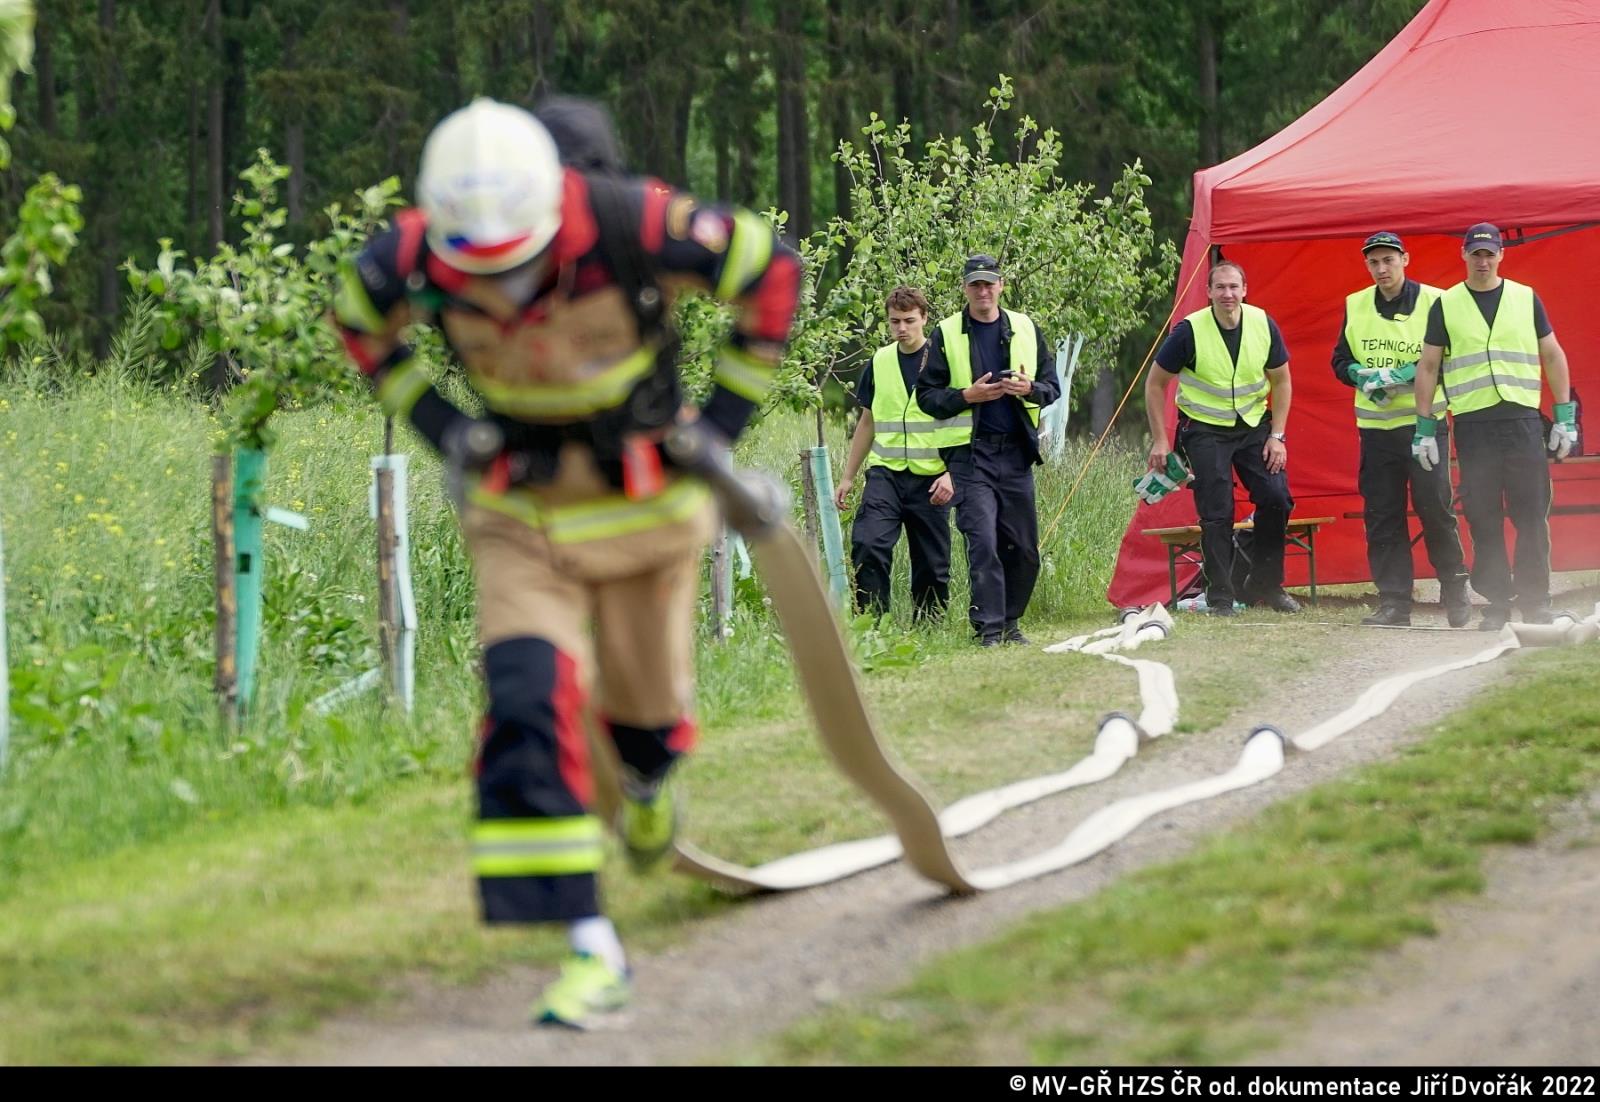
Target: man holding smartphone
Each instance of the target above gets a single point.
(997, 364)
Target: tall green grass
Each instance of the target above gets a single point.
(104, 500)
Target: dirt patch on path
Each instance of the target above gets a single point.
(1513, 978)
(755, 970)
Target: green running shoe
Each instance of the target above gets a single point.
(587, 990)
(649, 829)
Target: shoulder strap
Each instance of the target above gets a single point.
(618, 220)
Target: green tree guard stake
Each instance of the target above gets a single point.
(828, 521)
(249, 472)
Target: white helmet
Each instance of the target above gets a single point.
(490, 185)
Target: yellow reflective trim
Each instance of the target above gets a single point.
(746, 376)
(613, 515)
(568, 828)
(605, 390)
(567, 860)
(401, 387)
(351, 303)
(749, 250)
(537, 847)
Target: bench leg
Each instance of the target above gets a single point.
(1311, 556)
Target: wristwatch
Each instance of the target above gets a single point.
(1279, 437)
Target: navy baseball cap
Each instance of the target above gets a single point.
(1383, 239)
(981, 268)
(1483, 236)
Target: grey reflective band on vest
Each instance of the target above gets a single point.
(892, 451)
(1365, 414)
(909, 427)
(1484, 382)
(1473, 359)
(1189, 406)
(1231, 394)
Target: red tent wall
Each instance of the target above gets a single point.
(1293, 212)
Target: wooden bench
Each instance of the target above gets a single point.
(1183, 545)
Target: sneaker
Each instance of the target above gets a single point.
(1494, 618)
(1388, 616)
(989, 641)
(1544, 614)
(1224, 609)
(587, 990)
(1457, 607)
(1013, 634)
(1277, 602)
(648, 829)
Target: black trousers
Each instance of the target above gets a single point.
(1504, 473)
(999, 522)
(1388, 472)
(1215, 455)
(893, 500)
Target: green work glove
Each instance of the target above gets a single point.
(1152, 486)
(1564, 429)
(1425, 444)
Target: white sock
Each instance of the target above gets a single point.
(597, 937)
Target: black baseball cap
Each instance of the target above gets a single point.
(981, 268)
(1484, 235)
(1383, 239)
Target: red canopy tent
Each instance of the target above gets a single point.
(1479, 111)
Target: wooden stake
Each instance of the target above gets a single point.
(388, 619)
(721, 584)
(808, 492)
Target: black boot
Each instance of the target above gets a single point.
(1389, 615)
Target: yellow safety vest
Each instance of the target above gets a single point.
(904, 438)
(1219, 389)
(1024, 357)
(1485, 367)
(1377, 341)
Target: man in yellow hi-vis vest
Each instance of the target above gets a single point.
(1490, 344)
(995, 366)
(907, 484)
(552, 287)
(1380, 340)
(1229, 358)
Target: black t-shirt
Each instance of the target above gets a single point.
(999, 416)
(1489, 306)
(910, 366)
(1177, 351)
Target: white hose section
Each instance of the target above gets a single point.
(1263, 755)
(1117, 742)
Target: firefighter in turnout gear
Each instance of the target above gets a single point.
(552, 286)
(1376, 353)
(907, 484)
